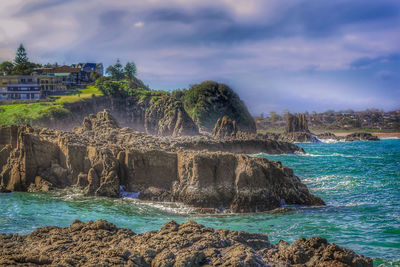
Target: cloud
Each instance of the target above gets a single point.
(180, 42)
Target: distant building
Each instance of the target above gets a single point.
(71, 77)
(96, 67)
(19, 87)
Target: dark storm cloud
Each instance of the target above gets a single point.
(315, 19)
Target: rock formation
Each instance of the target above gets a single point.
(208, 101)
(296, 123)
(155, 114)
(225, 128)
(100, 157)
(327, 135)
(101, 243)
(361, 137)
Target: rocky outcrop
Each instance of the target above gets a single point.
(208, 101)
(101, 243)
(296, 123)
(100, 157)
(361, 137)
(328, 135)
(225, 128)
(156, 114)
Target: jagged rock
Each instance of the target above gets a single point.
(101, 243)
(296, 123)
(361, 136)
(327, 135)
(100, 157)
(40, 185)
(225, 128)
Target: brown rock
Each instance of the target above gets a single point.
(100, 157)
(225, 128)
(296, 123)
(101, 243)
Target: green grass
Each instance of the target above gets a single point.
(42, 111)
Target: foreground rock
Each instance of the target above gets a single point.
(100, 158)
(101, 243)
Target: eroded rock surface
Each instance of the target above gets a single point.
(225, 128)
(101, 243)
(100, 157)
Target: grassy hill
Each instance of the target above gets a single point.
(208, 101)
(43, 111)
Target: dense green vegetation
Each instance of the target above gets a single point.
(207, 101)
(43, 111)
(122, 81)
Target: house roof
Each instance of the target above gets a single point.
(62, 69)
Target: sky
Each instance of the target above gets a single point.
(296, 55)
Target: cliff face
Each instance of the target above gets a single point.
(158, 115)
(100, 157)
(101, 243)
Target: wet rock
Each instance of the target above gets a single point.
(361, 137)
(101, 243)
(328, 135)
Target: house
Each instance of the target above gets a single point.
(89, 67)
(71, 77)
(19, 87)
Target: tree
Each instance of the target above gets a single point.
(6, 68)
(25, 68)
(93, 76)
(116, 71)
(130, 70)
(21, 57)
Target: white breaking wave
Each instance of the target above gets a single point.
(127, 194)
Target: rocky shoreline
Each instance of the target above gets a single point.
(100, 157)
(101, 243)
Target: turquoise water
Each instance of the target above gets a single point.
(359, 181)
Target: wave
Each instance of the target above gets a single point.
(389, 138)
(169, 207)
(126, 194)
(316, 155)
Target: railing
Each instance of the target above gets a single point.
(23, 85)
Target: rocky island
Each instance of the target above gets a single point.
(101, 158)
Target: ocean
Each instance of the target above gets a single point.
(359, 181)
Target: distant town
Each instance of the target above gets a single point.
(373, 119)
(24, 80)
